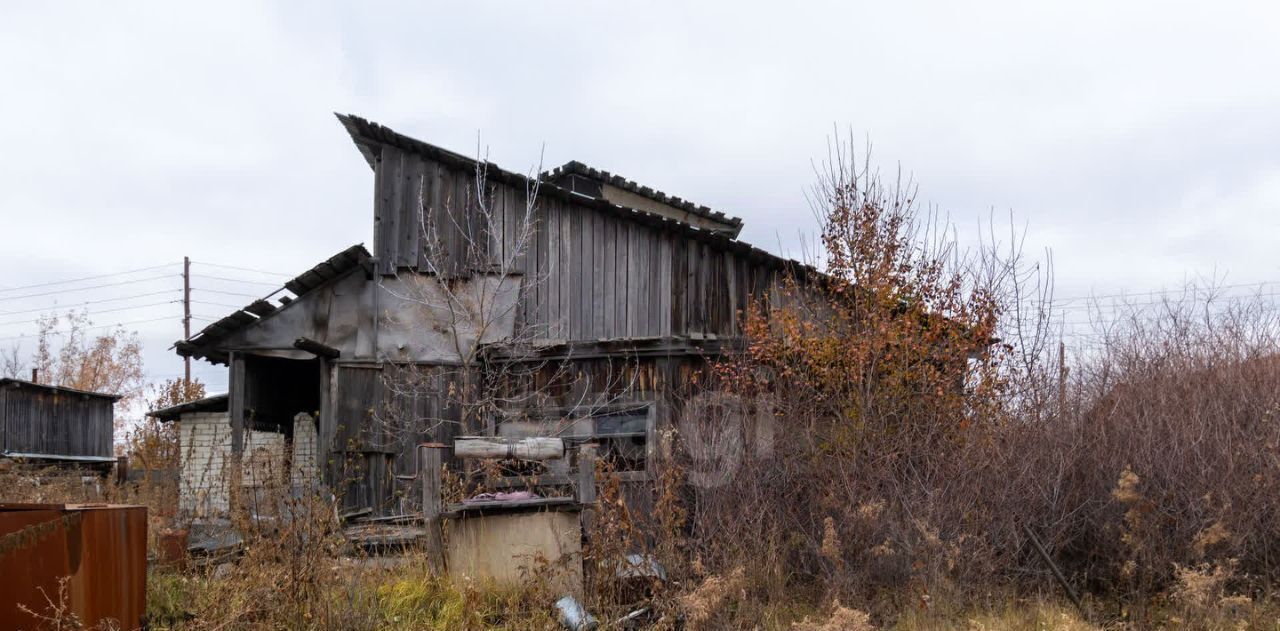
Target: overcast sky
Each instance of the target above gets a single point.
(1140, 142)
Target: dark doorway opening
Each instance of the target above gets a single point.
(277, 389)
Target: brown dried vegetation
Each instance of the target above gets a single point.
(916, 447)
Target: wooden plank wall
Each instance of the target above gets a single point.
(564, 383)
(423, 410)
(587, 385)
(382, 413)
(48, 422)
(597, 276)
(428, 216)
(358, 466)
(589, 274)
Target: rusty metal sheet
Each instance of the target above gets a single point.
(100, 549)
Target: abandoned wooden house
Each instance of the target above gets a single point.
(576, 304)
(49, 424)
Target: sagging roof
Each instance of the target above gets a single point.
(212, 403)
(199, 345)
(368, 136)
(581, 178)
(20, 383)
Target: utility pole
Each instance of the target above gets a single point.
(1062, 380)
(186, 318)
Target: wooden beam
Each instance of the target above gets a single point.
(497, 447)
(316, 348)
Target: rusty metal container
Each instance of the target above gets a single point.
(172, 546)
(100, 549)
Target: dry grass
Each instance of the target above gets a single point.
(840, 619)
(1156, 541)
(702, 605)
(1010, 613)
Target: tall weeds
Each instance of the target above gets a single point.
(925, 418)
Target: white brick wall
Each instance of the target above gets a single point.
(263, 462)
(205, 444)
(306, 462)
(204, 441)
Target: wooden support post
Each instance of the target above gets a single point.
(1062, 380)
(430, 457)
(325, 425)
(236, 403)
(587, 474)
(586, 484)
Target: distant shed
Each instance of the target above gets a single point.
(51, 423)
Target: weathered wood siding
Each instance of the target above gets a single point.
(37, 420)
(360, 459)
(420, 406)
(607, 276)
(428, 217)
(591, 271)
(381, 413)
(594, 384)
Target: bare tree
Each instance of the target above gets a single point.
(11, 363)
(72, 357)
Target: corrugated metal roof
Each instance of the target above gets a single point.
(732, 224)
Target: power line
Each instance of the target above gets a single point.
(228, 293)
(76, 280)
(1192, 290)
(214, 304)
(154, 377)
(75, 289)
(1127, 310)
(235, 280)
(154, 304)
(244, 269)
(1065, 304)
(88, 328)
(56, 307)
